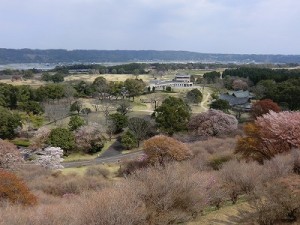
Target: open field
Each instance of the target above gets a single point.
(32, 83)
(110, 77)
(111, 168)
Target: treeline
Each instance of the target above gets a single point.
(258, 74)
(131, 68)
(286, 93)
(143, 68)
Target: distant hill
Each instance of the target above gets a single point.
(8, 56)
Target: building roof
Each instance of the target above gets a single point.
(183, 75)
(161, 82)
(239, 94)
(233, 101)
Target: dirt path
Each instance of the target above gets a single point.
(207, 96)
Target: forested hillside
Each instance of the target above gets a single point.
(59, 55)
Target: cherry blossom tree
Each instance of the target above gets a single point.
(239, 84)
(50, 158)
(212, 123)
(9, 155)
(89, 138)
(270, 134)
(280, 129)
(40, 137)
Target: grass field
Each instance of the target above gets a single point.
(112, 169)
(228, 214)
(110, 77)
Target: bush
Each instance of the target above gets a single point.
(217, 161)
(12, 189)
(160, 149)
(278, 201)
(212, 153)
(128, 167)
(75, 122)
(97, 171)
(119, 121)
(240, 178)
(59, 185)
(172, 194)
(168, 89)
(128, 140)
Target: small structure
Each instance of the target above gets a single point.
(238, 99)
(180, 81)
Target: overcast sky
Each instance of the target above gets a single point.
(209, 26)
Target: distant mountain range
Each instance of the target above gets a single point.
(8, 56)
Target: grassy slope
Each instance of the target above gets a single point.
(228, 214)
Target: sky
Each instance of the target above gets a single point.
(208, 26)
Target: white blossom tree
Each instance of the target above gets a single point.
(50, 158)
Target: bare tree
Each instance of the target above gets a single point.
(69, 93)
(106, 108)
(124, 106)
(140, 128)
(56, 111)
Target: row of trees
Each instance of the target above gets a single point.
(259, 74)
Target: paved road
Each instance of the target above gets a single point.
(111, 159)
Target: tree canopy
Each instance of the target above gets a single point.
(9, 122)
(172, 115)
(194, 96)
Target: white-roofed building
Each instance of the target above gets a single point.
(180, 81)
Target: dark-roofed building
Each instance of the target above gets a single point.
(238, 99)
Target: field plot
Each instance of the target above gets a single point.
(32, 83)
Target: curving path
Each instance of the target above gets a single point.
(205, 100)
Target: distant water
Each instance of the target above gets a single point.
(50, 66)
